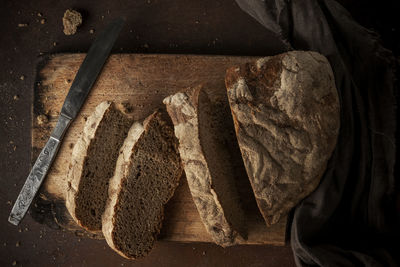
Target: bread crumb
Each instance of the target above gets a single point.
(146, 46)
(55, 43)
(42, 21)
(4, 244)
(9, 202)
(20, 230)
(39, 14)
(16, 97)
(26, 229)
(22, 25)
(17, 244)
(42, 119)
(71, 21)
(91, 31)
(22, 77)
(204, 253)
(14, 263)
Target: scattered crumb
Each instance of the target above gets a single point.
(4, 244)
(127, 107)
(55, 43)
(91, 31)
(14, 263)
(204, 253)
(17, 244)
(146, 46)
(15, 185)
(42, 21)
(14, 148)
(193, 248)
(102, 16)
(39, 14)
(22, 25)
(34, 245)
(22, 77)
(42, 119)
(20, 230)
(197, 22)
(71, 20)
(9, 202)
(16, 97)
(26, 229)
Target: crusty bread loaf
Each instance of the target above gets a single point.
(207, 165)
(286, 115)
(146, 175)
(92, 164)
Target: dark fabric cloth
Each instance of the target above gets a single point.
(351, 219)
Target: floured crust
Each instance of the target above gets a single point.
(115, 186)
(286, 115)
(79, 154)
(183, 109)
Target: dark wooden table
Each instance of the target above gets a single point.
(153, 26)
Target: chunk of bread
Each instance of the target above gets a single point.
(146, 175)
(286, 115)
(207, 165)
(92, 164)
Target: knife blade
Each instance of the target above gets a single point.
(80, 88)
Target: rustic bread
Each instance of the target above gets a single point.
(286, 115)
(146, 175)
(207, 165)
(93, 162)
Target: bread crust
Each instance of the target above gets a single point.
(287, 117)
(183, 110)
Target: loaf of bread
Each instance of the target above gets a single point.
(207, 165)
(92, 164)
(146, 175)
(286, 114)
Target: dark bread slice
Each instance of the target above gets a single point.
(93, 162)
(207, 165)
(146, 175)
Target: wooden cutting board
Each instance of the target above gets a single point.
(143, 81)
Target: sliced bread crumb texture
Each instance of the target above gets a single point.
(92, 164)
(146, 175)
(207, 165)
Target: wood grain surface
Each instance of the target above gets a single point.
(143, 81)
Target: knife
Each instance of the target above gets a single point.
(80, 88)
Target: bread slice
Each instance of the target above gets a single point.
(286, 114)
(146, 175)
(93, 162)
(207, 165)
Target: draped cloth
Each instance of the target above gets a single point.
(351, 219)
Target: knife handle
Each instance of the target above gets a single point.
(38, 172)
